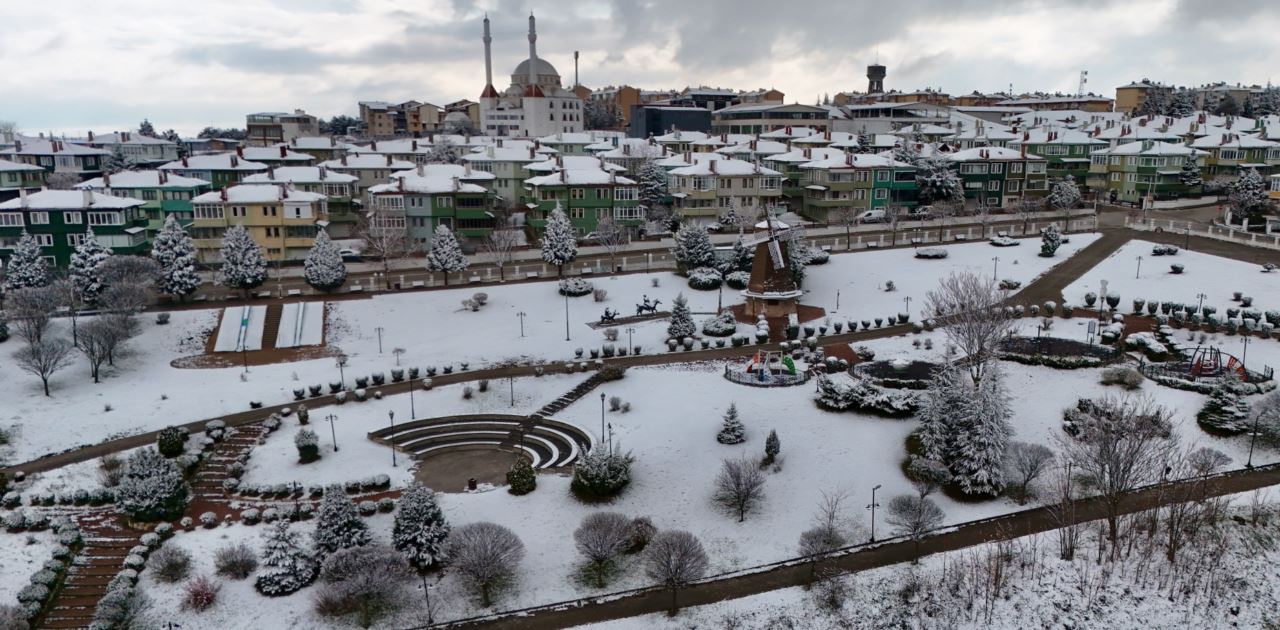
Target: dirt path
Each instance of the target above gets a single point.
(1023, 523)
(1049, 286)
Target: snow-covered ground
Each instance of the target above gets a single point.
(144, 392)
(21, 555)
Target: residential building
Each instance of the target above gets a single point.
(629, 153)
(1087, 102)
(710, 99)
(1130, 98)
(620, 100)
(340, 191)
(59, 220)
(841, 180)
(278, 155)
(281, 220)
(432, 195)
(980, 134)
(978, 99)
(265, 129)
(586, 193)
(197, 146)
(162, 193)
(927, 96)
(370, 169)
(381, 119)
(762, 96)
(762, 117)
(220, 169)
(320, 148)
(1228, 153)
(143, 151)
(575, 143)
(709, 187)
(680, 140)
(58, 156)
(1067, 151)
(656, 120)
(468, 107)
(997, 177)
(795, 178)
(507, 164)
(1211, 97)
(16, 176)
(1149, 168)
(888, 117)
(535, 104)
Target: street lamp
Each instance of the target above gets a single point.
(1244, 358)
(1253, 436)
(601, 416)
(341, 362)
(566, 316)
(391, 415)
(521, 315)
(908, 301)
(873, 507)
(1139, 271)
(332, 433)
(1200, 306)
(630, 330)
(511, 382)
(995, 267)
(379, 329)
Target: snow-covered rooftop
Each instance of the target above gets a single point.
(8, 165)
(69, 200)
(756, 147)
(677, 136)
(1152, 148)
(854, 160)
(273, 154)
(725, 168)
(982, 154)
(300, 175)
(367, 161)
(429, 183)
(58, 147)
(142, 179)
(256, 193)
(580, 177)
(213, 162)
(571, 163)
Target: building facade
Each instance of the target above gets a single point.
(60, 219)
(996, 177)
(586, 195)
(1133, 171)
(709, 188)
(858, 182)
(16, 177)
(535, 104)
(265, 129)
(282, 221)
(161, 193)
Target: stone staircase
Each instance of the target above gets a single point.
(207, 483)
(105, 546)
(568, 398)
(271, 325)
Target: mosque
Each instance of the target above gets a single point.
(535, 104)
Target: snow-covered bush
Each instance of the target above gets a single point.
(200, 593)
(209, 520)
(575, 287)
(1226, 411)
(1123, 375)
(170, 564)
(250, 516)
(932, 253)
(704, 279)
(237, 561)
(861, 395)
(367, 508)
(721, 325)
(1148, 344)
(737, 280)
(171, 441)
(151, 488)
(308, 445)
(1177, 268)
(601, 474)
(521, 479)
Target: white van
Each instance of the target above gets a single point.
(871, 216)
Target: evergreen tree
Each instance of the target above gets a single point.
(653, 186)
(976, 456)
(324, 268)
(243, 266)
(1225, 411)
(338, 524)
(173, 250)
(732, 431)
(287, 565)
(866, 141)
(1248, 196)
(26, 267)
(603, 472)
(1182, 104)
(937, 181)
(559, 246)
(693, 248)
(1064, 194)
(522, 479)
(1050, 240)
(743, 254)
(772, 446)
(443, 152)
(1190, 175)
(445, 255)
(420, 529)
(146, 129)
(86, 268)
(151, 488)
(681, 325)
(946, 399)
(117, 161)
(1228, 106)
(1269, 101)
(905, 151)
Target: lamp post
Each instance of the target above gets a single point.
(873, 507)
(995, 267)
(837, 300)
(521, 315)
(1139, 271)
(341, 362)
(1200, 306)
(632, 346)
(1253, 435)
(391, 415)
(601, 416)
(1244, 358)
(566, 316)
(379, 330)
(332, 433)
(511, 382)
(908, 301)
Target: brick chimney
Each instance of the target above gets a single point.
(184, 162)
(106, 179)
(234, 162)
(23, 202)
(388, 159)
(222, 194)
(343, 160)
(284, 152)
(373, 146)
(240, 151)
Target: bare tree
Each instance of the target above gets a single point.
(829, 531)
(893, 216)
(1266, 412)
(1124, 445)
(385, 242)
(1025, 209)
(675, 558)
(1063, 510)
(1024, 464)
(739, 486)
(914, 517)
(600, 538)
(982, 212)
(968, 306)
(97, 342)
(69, 298)
(43, 357)
(369, 582)
(30, 311)
(500, 244)
(611, 237)
(62, 181)
(486, 554)
(846, 217)
(118, 270)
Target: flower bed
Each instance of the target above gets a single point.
(898, 373)
(1056, 352)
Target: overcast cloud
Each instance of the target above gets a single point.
(72, 65)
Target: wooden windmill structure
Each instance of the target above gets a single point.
(772, 289)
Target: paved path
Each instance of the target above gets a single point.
(1018, 524)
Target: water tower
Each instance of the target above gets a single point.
(875, 78)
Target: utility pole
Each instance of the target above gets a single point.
(379, 329)
(521, 315)
(873, 507)
(391, 415)
(332, 433)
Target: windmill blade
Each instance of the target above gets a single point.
(792, 234)
(775, 252)
(757, 239)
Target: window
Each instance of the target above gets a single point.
(105, 218)
(770, 183)
(863, 176)
(973, 169)
(1115, 177)
(1229, 154)
(997, 168)
(993, 202)
(273, 232)
(1015, 168)
(43, 240)
(1035, 168)
(268, 211)
(75, 240)
(203, 211)
(602, 213)
(1114, 160)
(1099, 160)
(625, 194)
(882, 176)
(628, 213)
(72, 218)
(444, 202)
(576, 213)
(38, 218)
(1053, 149)
(993, 185)
(602, 193)
(882, 193)
(546, 195)
(238, 211)
(10, 219)
(577, 193)
(704, 183)
(1013, 185)
(860, 194)
(148, 194)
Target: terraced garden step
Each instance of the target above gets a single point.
(108, 570)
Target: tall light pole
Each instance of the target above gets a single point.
(1244, 358)
(521, 315)
(332, 433)
(908, 301)
(413, 413)
(391, 415)
(873, 507)
(1200, 306)
(566, 316)
(601, 416)
(1139, 271)
(511, 382)
(995, 267)
(632, 346)
(1253, 435)
(379, 329)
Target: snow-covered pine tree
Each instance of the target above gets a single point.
(117, 161)
(420, 529)
(681, 325)
(866, 141)
(944, 403)
(243, 266)
(173, 250)
(1190, 175)
(324, 268)
(743, 254)
(26, 267)
(146, 129)
(905, 151)
(976, 457)
(1248, 196)
(732, 431)
(772, 446)
(522, 478)
(653, 186)
(446, 254)
(338, 524)
(1225, 412)
(86, 267)
(1050, 240)
(602, 472)
(1182, 104)
(443, 152)
(693, 248)
(288, 566)
(151, 488)
(559, 245)
(937, 181)
(1064, 194)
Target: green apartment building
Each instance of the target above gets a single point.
(1138, 169)
(586, 195)
(221, 170)
(433, 195)
(1067, 151)
(860, 181)
(57, 156)
(795, 178)
(59, 220)
(1228, 153)
(161, 194)
(16, 177)
(998, 177)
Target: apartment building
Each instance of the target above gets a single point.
(339, 190)
(282, 221)
(16, 177)
(997, 177)
(1130, 172)
(423, 199)
(220, 169)
(369, 169)
(162, 193)
(58, 156)
(587, 194)
(843, 180)
(1067, 151)
(265, 129)
(1228, 153)
(59, 220)
(707, 188)
(762, 117)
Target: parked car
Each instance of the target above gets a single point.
(871, 216)
(349, 255)
(1003, 241)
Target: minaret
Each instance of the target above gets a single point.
(533, 89)
(488, 92)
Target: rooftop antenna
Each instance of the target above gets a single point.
(1084, 78)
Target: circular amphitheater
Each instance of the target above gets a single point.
(548, 443)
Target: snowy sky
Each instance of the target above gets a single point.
(70, 65)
